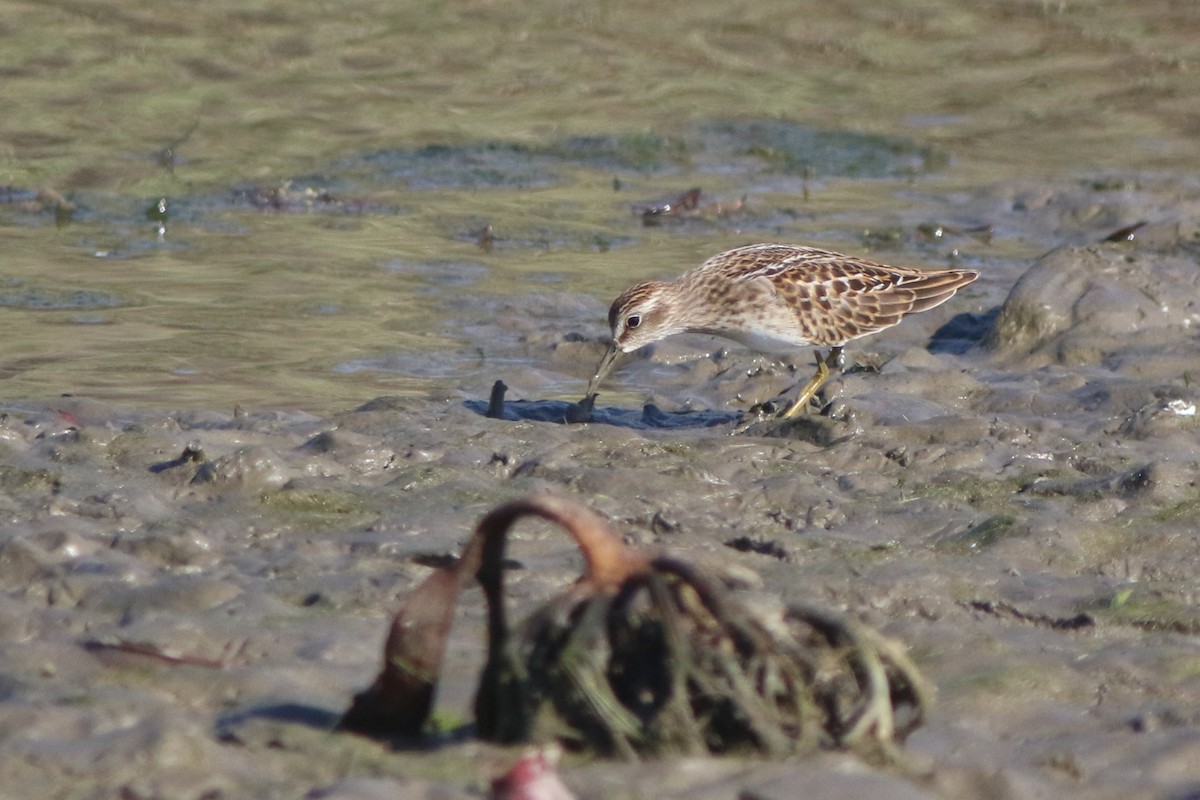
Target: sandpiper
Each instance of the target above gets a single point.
(775, 298)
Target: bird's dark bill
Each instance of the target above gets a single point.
(606, 364)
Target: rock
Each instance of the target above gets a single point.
(1081, 305)
(253, 469)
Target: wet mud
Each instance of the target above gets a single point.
(205, 592)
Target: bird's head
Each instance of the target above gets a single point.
(640, 316)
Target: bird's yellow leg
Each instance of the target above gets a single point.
(824, 365)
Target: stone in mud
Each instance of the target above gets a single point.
(360, 453)
(1084, 305)
(253, 469)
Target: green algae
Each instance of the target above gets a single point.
(981, 536)
(1151, 608)
(320, 505)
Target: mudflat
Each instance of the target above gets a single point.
(192, 598)
(255, 299)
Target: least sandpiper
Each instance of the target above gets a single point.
(775, 298)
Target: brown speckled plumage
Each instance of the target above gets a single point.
(775, 298)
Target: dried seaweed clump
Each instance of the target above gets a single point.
(644, 655)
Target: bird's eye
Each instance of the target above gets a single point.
(633, 321)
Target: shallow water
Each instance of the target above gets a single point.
(324, 174)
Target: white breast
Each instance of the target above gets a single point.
(766, 339)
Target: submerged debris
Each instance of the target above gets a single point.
(644, 655)
(686, 204)
(36, 202)
(485, 238)
(288, 199)
(688, 201)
